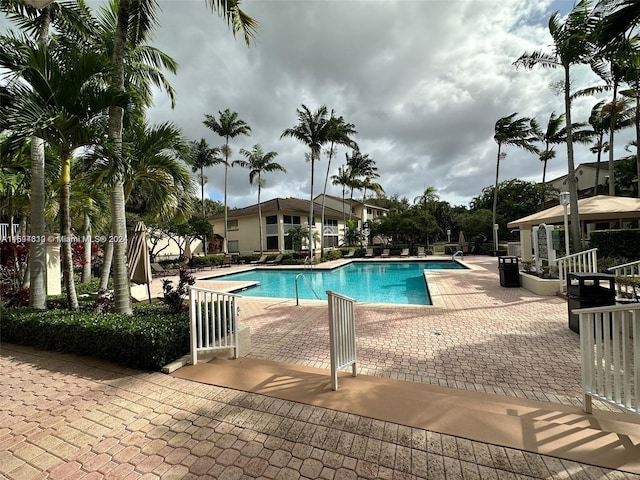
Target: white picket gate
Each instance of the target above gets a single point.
(610, 349)
(342, 335)
(586, 261)
(214, 321)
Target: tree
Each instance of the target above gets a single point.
(73, 21)
(343, 178)
(62, 99)
(340, 135)
(571, 45)
(314, 129)
(259, 163)
(553, 135)
(203, 156)
(228, 126)
(143, 19)
(519, 132)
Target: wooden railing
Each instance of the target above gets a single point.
(610, 350)
(342, 335)
(214, 321)
(586, 261)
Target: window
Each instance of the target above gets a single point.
(272, 220)
(234, 245)
(291, 220)
(272, 243)
(232, 224)
(330, 233)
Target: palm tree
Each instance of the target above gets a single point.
(143, 19)
(341, 135)
(343, 178)
(553, 135)
(618, 22)
(228, 126)
(203, 156)
(429, 196)
(62, 99)
(259, 163)
(37, 23)
(314, 129)
(571, 45)
(519, 132)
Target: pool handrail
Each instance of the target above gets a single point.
(308, 285)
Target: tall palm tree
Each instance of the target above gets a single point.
(203, 156)
(258, 164)
(554, 134)
(429, 196)
(571, 46)
(341, 135)
(343, 178)
(314, 129)
(621, 18)
(520, 132)
(228, 126)
(62, 99)
(143, 18)
(73, 20)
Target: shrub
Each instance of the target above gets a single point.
(174, 297)
(613, 243)
(148, 339)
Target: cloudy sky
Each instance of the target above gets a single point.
(424, 82)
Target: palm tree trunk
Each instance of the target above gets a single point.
(612, 127)
(122, 290)
(260, 219)
(106, 265)
(38, 250)
(86, 268)
(324, 194)
(226, 176)
(571, 169)
(598, 159)
(311, 222)
(544, 185)
(495, 201)
(637, 122)
(65, 231)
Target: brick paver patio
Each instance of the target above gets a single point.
(63, 416)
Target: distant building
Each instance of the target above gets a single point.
(280, 215)
(586, 178)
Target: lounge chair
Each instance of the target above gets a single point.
(385, 252)
(262, 259)
(157, 270)
(276, 260)
(421, 252)
(350, 254)
(369, 252)
(226, 261)
(404, 252)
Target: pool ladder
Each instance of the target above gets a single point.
(301, 275)
(459, 252)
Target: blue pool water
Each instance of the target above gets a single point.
(378, 282)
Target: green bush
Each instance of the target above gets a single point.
(149, 339)
(616, 243)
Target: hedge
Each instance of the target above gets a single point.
(617, 243)
(149, 339)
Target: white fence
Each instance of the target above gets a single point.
(214, 321)
(610, 349)
(4, 230)
(586, 261)
(342, 335)
(629, 270)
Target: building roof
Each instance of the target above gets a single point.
(287, 205)
(352, 202)
(604, 167)
(599, 208)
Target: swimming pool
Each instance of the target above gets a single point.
(378, 282)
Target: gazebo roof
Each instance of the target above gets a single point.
(599, 208)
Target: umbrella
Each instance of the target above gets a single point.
(187, 251)
(461, 241)
(138, 258)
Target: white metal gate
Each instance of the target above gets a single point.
(342, 335)
(214, 321)
(610, 348)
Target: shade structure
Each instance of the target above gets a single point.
(138, 258)
(461, 239)
(603, 208)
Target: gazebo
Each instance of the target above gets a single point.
(591, 210)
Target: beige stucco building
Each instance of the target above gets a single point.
(280, 215)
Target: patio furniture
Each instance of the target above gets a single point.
(404, 252)
(262, 259)
(350, 254)
(369, 252)
(276, 260)
(421, 252)
(385, 252)
(157, 270)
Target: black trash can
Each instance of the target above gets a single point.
(509, 269)
(586, 290)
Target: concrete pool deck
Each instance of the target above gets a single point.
(73, 417)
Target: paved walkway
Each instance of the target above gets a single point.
(63, 416)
